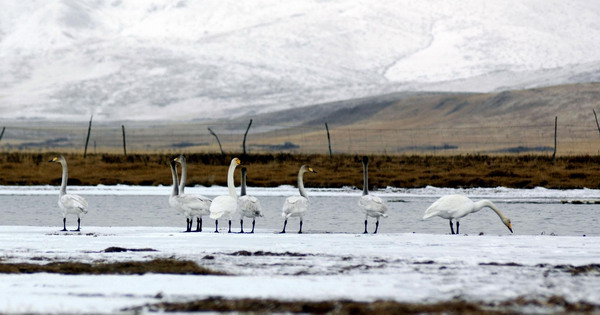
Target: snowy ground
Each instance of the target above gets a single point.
(403, 267)
(406, 267)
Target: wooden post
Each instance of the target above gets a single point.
(246, 134)
(124, 142)
(2, 133)
(214, 134)
(555, 135)
(595, 116)
(328, 140)
(87, 139)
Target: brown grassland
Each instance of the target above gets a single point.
(270, 170)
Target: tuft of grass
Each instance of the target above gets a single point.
(165, 266)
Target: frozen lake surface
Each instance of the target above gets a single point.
(331, 261)
(533, 212)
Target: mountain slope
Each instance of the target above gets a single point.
(177, 59)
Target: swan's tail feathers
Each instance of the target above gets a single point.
(429, 214)
(84, 210)
(385, 215)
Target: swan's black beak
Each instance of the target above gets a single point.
(510, 228)
(311, 170)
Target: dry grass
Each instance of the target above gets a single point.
(215, 304)
(165, 266)
(270, 170)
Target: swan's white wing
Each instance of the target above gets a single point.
(450, 207)
(250, 206)
(294, 206)
(73, 203)
(223, 206)
(196, 205)
(373, 206)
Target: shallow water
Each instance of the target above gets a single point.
(328, 214)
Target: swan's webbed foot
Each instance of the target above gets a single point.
(365, 232)
(253, 224)
(216, 226)
(229, 231)
(376, 226)
(300, 231)
(64, 230)
(284, 225)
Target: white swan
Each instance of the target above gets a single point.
(225, 206)
(296, 206)
(69, 203)
(457, 206)
(249, 205)
(175, 201)
(372, 206)
(198, 205)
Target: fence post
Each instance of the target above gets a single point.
(245, 134)
(214, 134)
(124, 142)
(2, 133)
(87, 139)
(555, 135)
(595, 116)
(328, 140)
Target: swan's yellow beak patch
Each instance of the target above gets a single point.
(237, 161)
(54, 159)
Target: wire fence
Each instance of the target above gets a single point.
(195, 138)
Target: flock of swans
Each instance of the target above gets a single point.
(450, 207)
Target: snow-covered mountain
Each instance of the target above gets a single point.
(178, 59)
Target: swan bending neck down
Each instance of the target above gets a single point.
(371, 205)
(226, 206)
(457, 206)
(249, 205)
(195, 205)
(69, 203)
(296, 206)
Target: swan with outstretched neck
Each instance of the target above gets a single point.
(226, 206)
(296, 206)
(197, 205)
(372, 206)
(454, 207)
(69, 203)
(249, 205)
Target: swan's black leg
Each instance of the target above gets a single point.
(284, 225)
(229, 231)
(300, 231)
(241, 225)
(451, 227)
(199, 224)
(188, 225)
(253, 223)
(365, 232)
(457, 225)
(78, 225)
(376, 226)
(64, 224)
(216, 226)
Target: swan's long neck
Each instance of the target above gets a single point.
(65, 177)
(301, 184)
(230, 184)
(243, 193)
(175, 190)
(183, 176)
(365, 179)
(486, 203)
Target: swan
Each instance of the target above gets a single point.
(372, 206)
(457, 206)
(198, 205)
(296, 206)
(249, 205)
(69, 203)
(176, 202)
(226, 206)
